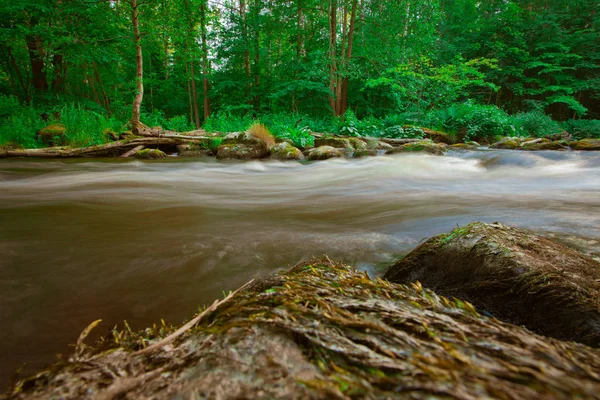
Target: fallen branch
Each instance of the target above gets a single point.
(169, 134)
(133, 151)
(192, 323)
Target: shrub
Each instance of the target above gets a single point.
(224, 122)
(20, 129)
(261, 132)
(84, 127)
(583, 128)
(536, 124)
(471, 121)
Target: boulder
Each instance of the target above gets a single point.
(241, 152)
(150, 154)
(586, 144)
(324, 153)
(365, 153)
(463, 146)
(242, 146)
(516, 275)
(423, 146)
(384, 146)
(285, 151)
(323, 330)
(357, 144)
(507, 143)
(337, 142)
(437, 136)
(51, 134)
(193, 151)
(543, 145)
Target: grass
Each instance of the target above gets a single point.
(463, 121)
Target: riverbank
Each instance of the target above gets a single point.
(326, 330)
(258, 143)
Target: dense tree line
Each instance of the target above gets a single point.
(373, 57)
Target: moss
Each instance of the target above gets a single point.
(150, 154)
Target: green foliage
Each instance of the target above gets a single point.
(20, 128)
(535, 124)
(84, 127)
(582, 128)
(349, 125)
(472, 121)
(9, 105)
(226, 122)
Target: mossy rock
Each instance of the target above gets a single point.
(544, 146)
(150, 154)
(324, 153)
(365, 153)
(515, 275)
(586, 144)
(336, 142)
(424, 146)
(285, 151)
(507, 144)
(50, 133)
(242, 151)
(323, 330)
(357, 144)
(463, 146)
(437, 136)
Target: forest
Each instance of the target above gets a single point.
(355, 67)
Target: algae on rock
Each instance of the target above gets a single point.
(326, 331)
(516, 275)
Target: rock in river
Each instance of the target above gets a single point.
(326, 331)
(324, 153)
(515, 275)
(285, 151)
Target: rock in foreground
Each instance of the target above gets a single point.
(514, 274)
(326, 331)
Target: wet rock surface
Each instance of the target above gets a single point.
(324, 153)
(326, 331)
(515, 275)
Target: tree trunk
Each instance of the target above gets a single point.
(58, 82)
(195, 96)
(38, 72)
(205, 64)
(18, 73)
(332, 54)
(139, 68)
(344, 92)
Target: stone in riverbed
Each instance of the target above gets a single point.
(516, 275)
(324, 153)
(544, 145)
(193, 151)
(337, 142)
(586, 144)
(243, 146)
(423, 146)
(285, 151)
(365, 153)
(150, 154)
(507, 143)
(324, 330)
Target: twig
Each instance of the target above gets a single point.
(190, 324)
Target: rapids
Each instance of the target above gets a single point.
(88, 239)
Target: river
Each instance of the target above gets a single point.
(139, 241)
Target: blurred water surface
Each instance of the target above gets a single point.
(88, 239)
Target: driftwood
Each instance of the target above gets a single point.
(133, 151)
(109, 149)
(170, 135)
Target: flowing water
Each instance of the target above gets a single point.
(135, 241)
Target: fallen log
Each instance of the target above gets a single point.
(113, 148)
(133, 151)
(170, 135)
